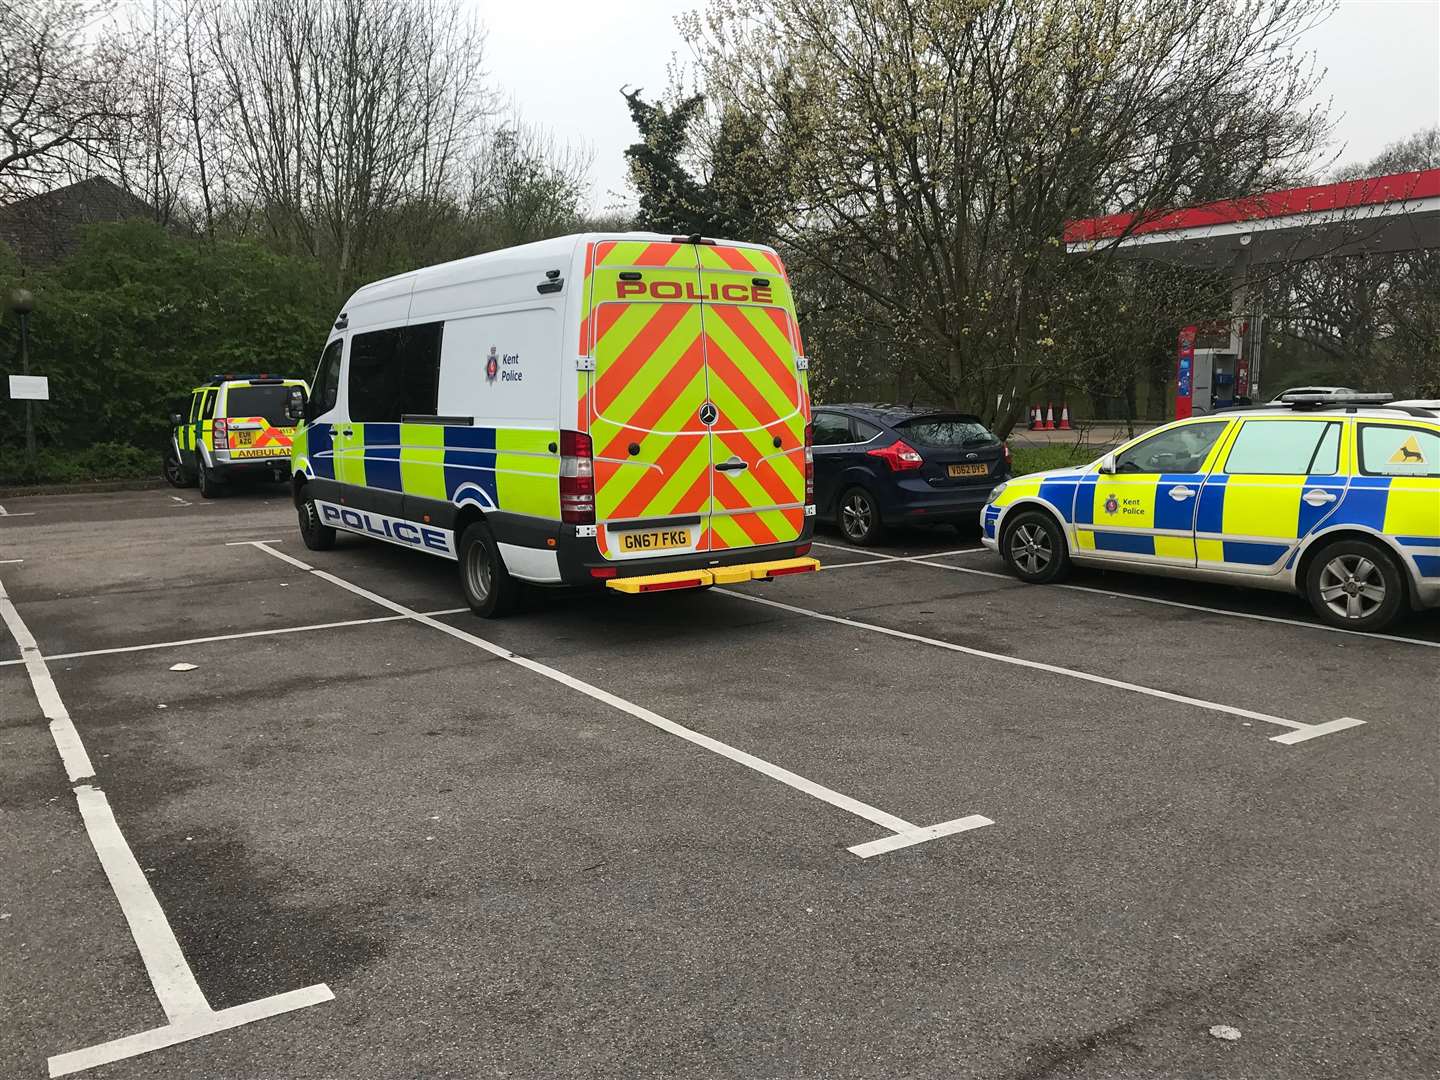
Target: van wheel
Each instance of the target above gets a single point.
(210, 487)
(1033, 548)
(174, 471)
(489, 589)
(858, 516)
(1356, 585)
(317, 535)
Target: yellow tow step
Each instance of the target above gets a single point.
(718, 575)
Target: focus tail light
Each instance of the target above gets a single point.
(577, 479)
(1005, 446)
(809, 464)
(221, 429)
(899, 455)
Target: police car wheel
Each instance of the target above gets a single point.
(1356, 585)
(858, 517)
(489, 589)
(317, 535)
(1033, 548)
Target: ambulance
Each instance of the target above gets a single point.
(627, 411)
(233, 426)
(1331, 494)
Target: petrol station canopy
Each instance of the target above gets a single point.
(1371, 215)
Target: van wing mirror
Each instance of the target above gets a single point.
(176, 419)
(1107, 464)
(295, 403)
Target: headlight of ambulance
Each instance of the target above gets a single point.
(995, 493)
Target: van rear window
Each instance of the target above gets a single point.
(266, 401)
(946, 431)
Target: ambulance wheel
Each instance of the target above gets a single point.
(858, 517)
(210, 487)
(1033, 548)
(489, 589)
(1356, 585)
(174, 471)
(317, 535)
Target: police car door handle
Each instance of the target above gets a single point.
(734, 464)
(1318, 497)
(1180, 493)
(346, 432)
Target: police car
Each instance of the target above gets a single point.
(1335, 496)
(235, 425)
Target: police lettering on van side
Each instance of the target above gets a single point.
(396, 530)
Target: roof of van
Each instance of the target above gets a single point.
(542, 253)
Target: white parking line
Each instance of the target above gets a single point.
(1299, 732)
(903, 830)
(7, 562)
(188, 1012)
(23, 513)
(230, 637)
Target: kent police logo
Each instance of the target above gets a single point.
(492, 364)
(1112, 505)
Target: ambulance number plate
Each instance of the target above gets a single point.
(652, 540)
(244, 438)
(969, 470)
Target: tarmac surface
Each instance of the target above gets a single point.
(617, 836)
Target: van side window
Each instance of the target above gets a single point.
(420, 369)
(196, 401)
(209, 409)
(327, 380)
(394, 373)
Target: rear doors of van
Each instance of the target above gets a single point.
(695, 406)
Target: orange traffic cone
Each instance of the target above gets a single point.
(1049, 424)
(1034, 417)
(1064, 416)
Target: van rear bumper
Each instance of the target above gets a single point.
(579, 556)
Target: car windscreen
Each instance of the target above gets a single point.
(942, 431)
(267, 401)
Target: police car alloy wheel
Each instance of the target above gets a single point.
(489, 589)
(1033, 547)
(1356, 585)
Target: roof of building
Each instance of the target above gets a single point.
(44, 228)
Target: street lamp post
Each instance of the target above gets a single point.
(22, 302)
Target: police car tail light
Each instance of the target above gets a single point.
(221, 428)
(899, 455)
(577, 479)
(809, 464)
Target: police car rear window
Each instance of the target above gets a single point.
(946, 431)
(1399, 450)
(267, 401)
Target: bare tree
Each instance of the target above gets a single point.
(60, 91)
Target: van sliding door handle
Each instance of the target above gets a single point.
(733, 465)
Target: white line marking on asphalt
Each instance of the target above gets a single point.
(23, 513)
(180, 501)
(1197, 607)
(919, 836)
(186, 1008)
(5, 562)
(192, 1028)
(62, 728)
(232, 637)
(885, 820)
(1313, 730)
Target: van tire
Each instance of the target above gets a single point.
(857, 516)
(1034, 549)
(210, 487)
(1366, 566)
(317, 535)
(488, 587)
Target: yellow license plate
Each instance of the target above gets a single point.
(969, 470)
(653, 540)
(244, 438)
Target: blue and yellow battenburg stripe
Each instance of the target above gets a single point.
(510, 469)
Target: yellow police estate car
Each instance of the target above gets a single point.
(1335, 496)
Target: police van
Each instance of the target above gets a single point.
(626, 410)
(233, 426)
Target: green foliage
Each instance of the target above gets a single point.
(1033, 459)
(138, 315)
(103, 461)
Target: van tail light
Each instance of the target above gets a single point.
(577, 479)
(899, 455)
(221, 429)
(809, 464)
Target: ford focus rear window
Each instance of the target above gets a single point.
(946, 431)
(266, 401)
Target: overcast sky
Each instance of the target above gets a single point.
(562, 62)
